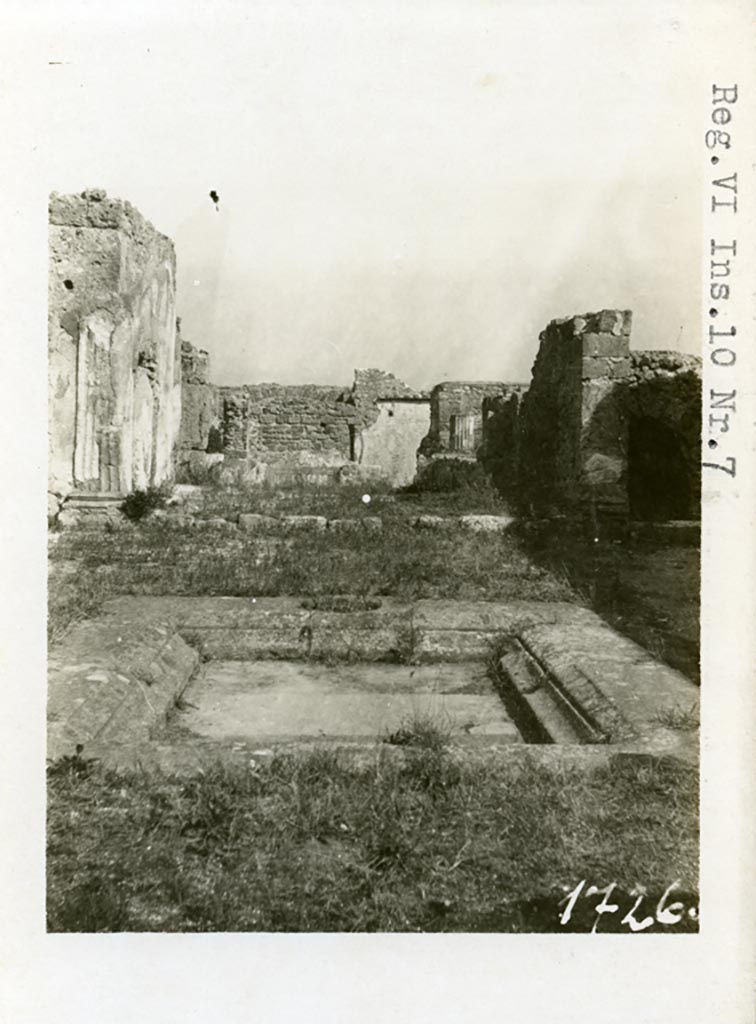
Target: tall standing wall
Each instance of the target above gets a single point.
(114, 365)
(573, 438)
(606, 432)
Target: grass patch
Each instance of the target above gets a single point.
(425, 731)
(455, 476)
(314, 841)
(346, 500)
(72, 597)
(162, 558)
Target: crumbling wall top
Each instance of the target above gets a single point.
(665, 360)
(93, 209)
(195, 364)
(373, 384)
(607, 321)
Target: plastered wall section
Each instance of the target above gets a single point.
(114, 369)
(390, 444)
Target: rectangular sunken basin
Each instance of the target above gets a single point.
(269, 702)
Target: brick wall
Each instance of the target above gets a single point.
(377, 424)
(456, 416)
(280, 420)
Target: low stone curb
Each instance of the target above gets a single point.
(111, 682)
(253, 522)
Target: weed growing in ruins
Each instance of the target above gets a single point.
(422, 729)
(679, 718)
(140, 504)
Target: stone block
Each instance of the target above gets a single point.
(486, 523)
(620, 368)
(596, 367)
(344, 525)
(427, 522)
(110, 682)
(356, 525)
(203, 467)
(611, 321)
(594, 393)
(215, 523)
(53, 507)
(252, 522)
(601, 469)
(607, 345)
(304, 522)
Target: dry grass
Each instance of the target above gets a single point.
(314, 842)
(159, 557)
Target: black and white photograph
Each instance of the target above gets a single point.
(396, 411)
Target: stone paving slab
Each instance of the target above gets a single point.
(249, 612)
(495, 616)
(274, 702)
(424, 631)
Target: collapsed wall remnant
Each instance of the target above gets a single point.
(114, 368)
(200, 438)
(318, 432)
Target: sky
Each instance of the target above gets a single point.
(418, 185)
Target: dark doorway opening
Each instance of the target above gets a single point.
(352, 443)
(659, 480)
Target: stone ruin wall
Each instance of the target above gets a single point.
(114, 368)
(572, 446)
(391, 420)
(601, 428)
(278, 424)
(576, 441)
(200, 436)
(279, 432)
(457, 417)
